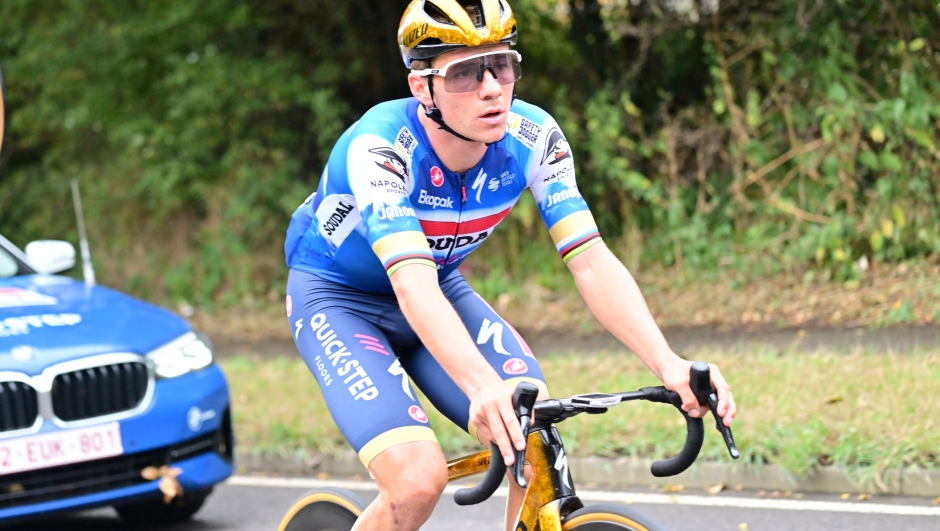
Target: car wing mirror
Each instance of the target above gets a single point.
(50, 256)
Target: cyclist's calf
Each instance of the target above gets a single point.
(411, 478)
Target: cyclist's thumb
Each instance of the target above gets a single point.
(689, 403)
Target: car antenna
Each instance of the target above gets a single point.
(88, 271)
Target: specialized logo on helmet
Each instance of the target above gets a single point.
(556, 149)
(391, 161)
(419, 31)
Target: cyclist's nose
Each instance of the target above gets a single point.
(489, 86)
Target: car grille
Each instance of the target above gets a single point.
(19, 406)
(68, 481)
(99, 391)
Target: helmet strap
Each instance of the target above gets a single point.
(435, 115)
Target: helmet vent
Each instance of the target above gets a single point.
(435, 12)
(474, 8)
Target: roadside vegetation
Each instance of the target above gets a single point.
(866, 412)
(740, 140)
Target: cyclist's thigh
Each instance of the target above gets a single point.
(500, 344)
(362, 382)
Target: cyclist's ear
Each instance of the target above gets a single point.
(420, 90)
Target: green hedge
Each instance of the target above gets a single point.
(762, 135)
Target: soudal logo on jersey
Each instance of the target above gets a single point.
(434, 201)
(392, 212)
(437, 176)
(444, 243)
(334, 221)
(556, 149)
(390, 161)
(558, 197)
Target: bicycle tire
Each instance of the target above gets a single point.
(323, 509)
(610, 517)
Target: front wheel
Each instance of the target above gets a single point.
(323, 509)
(610, 517)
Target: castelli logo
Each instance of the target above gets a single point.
(515, 366)
(418, 414)
(290, 306)
(437, 176)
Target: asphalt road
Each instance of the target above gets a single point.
(257, 508)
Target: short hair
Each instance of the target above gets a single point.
(420, 64)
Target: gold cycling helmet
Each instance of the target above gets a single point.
(432, 27)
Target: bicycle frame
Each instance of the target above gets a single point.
(550, 495)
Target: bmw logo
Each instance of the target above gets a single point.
(23, 353)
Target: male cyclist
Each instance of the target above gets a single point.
(374, 294)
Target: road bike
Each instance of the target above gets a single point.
(550, 503)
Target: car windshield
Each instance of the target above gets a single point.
(8, 265)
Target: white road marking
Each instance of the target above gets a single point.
(625, 497)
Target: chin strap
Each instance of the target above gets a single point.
(435, 115)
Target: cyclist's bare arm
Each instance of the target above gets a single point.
(615, 299)
(437, 324)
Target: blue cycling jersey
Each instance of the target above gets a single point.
(385, 199)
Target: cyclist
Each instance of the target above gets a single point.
(374, 295)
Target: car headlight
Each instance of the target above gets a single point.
(184, 354)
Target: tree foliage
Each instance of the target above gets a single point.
(764, 133)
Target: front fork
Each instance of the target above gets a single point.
(550, 496)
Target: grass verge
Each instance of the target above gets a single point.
(865, 411)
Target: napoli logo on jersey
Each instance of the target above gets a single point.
(391, 161)
(556, 149)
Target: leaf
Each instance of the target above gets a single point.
(715, 489)
(719, 107)
(837, 93)
(674, 488)
(890, 161)
(835, 399)
(150, 473)
(899, 218)
(845, 496)
(877, 241)
(887, 228)
(877, 134)
(916, 44)
(863, 497)
(868, 159)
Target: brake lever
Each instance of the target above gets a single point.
(701, 385)
(523, 401)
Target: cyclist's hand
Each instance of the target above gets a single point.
(492, 413)
(675, 376)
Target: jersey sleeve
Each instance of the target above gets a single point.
(381, 180)
(552, 181)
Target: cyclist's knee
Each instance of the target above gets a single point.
(412, 474)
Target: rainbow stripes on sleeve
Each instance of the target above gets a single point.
(402, 248)
(574, 233)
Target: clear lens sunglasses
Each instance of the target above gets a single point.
(466, 75)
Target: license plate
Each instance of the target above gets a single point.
(60, 448)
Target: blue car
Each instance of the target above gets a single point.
(104, 399)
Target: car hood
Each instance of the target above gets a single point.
(47, 319)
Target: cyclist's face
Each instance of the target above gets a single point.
(482, 113)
